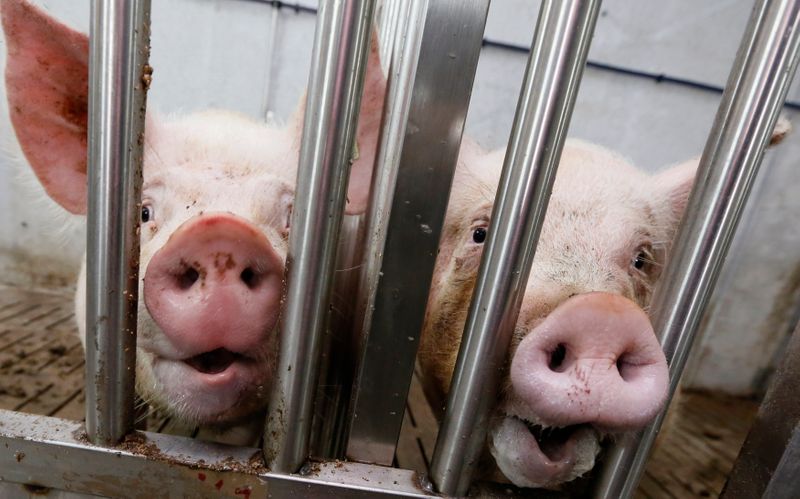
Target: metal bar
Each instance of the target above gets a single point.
(772, 431)
(341, 344)
(437, 58)
(51, 452)
(754, 94)
(558, 56)
(337, 361)
(270, 56)
(393, 18)
(338, 65)
(119, 52)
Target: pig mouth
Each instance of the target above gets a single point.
(553, 441)
(534, 455)
(215, 361)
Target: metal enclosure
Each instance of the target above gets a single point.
(119, 51)
(429, 44)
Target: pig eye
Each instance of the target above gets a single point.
(479, 235)
(644, 260)
(147, 213)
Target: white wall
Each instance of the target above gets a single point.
(211, 53)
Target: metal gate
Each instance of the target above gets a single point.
(431, 48)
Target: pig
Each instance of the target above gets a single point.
(216, 204)
(584, 363)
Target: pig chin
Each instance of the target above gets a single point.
(219, 398)
(533, 455)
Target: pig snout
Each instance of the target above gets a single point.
(594, 359)
(214, 290)
(592, 365)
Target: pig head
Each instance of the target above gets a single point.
(216, 203)
(584, 362)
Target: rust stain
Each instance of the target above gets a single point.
(243, 491)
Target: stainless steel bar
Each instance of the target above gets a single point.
(49, 452)
(558, 56)
(435, 61)
(270, 56)
(338, 65)
(119, 52)
(337, 360)
(756, 89)
(393, 18)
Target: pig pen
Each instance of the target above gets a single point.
(43, 369)
(42, 372)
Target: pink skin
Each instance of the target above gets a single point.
(613, 374)
(518, 454)
(215, 284)
(213, 287)
(609, 375)
(603, 243)
(220, 189)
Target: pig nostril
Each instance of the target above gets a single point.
(625, 368)
(249, 277)
(187, 279)
(557, 357)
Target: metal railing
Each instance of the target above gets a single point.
(338, 65)
(434, 42)
(558, 55)
(439, 56)
(755, 92)
(119, 49)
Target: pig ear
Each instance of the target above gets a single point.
(369, 126)
(369, 122)
(676, 184)
(677, 181)
(47, 86)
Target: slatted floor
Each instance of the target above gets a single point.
(41, 360)
(41, 372)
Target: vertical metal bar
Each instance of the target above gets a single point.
(754, 94)
(119, 50)
(393, 18)
(440, 46)
(338, 352)
(558, 56)
(270, 56)
(341, 346)
(338, 65)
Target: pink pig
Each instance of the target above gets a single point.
(216, 203)
(584, 362)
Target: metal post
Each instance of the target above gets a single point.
(119, 50)
(270, 56)
(558, 56)
(755, 92)
(338, 65)
(392, 20)
(435, 61)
